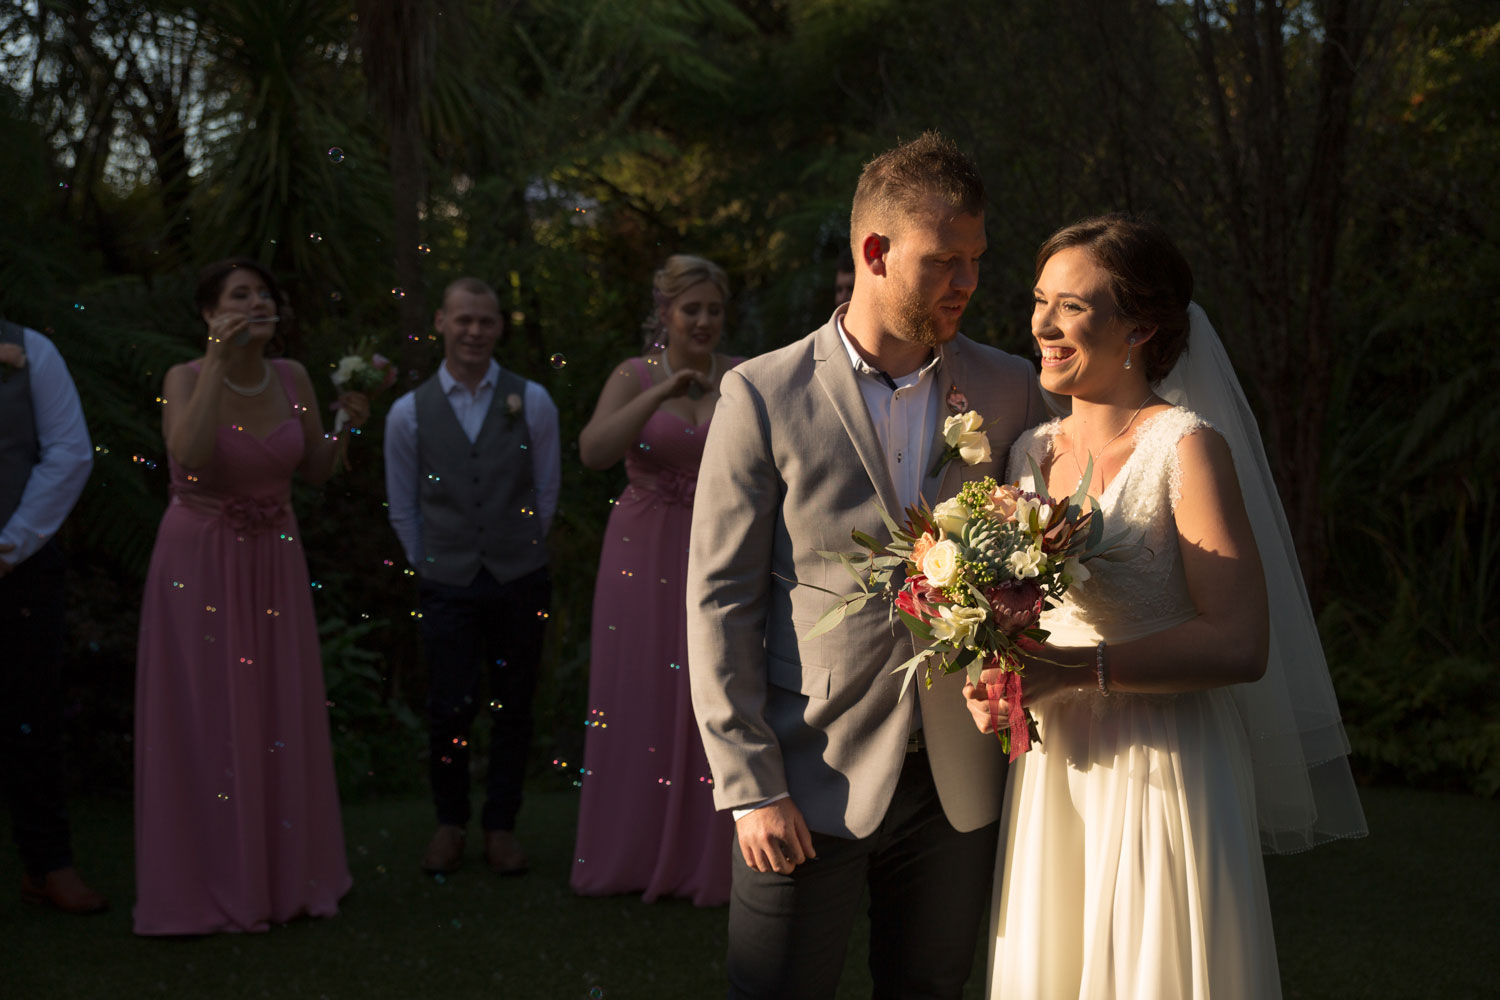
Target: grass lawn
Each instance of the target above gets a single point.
(1406, 912)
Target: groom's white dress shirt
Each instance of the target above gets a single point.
(401, 467)
(904, 412)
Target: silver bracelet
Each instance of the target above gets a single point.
(1099, 668)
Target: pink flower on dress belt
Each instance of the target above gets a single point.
(253, 515)
(676, 487)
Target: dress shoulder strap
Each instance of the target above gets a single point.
(1156, 444)
(283, 369)
(1036, 443)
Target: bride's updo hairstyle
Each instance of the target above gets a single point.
(1149, 279)
(681, 272)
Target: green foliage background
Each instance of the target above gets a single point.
(1341, 215)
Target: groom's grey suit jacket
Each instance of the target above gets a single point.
(792, 463)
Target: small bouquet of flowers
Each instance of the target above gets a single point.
(361, 370)
(971, 578)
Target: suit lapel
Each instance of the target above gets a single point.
(835, 374)
(950, 385)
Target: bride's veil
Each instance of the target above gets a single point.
(1304, 793)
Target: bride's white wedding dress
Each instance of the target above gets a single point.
(1130, 858)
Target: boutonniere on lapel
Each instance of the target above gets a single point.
(512, 410)
(963, 437)
(12, 358)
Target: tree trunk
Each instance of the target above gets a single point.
(395, 40)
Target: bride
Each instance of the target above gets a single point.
(1184, 706)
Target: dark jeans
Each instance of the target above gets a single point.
(32, 601)
(467, 631)
(929, 891)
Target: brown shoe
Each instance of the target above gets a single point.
(63, 889)
(503, 851)
(445, 852)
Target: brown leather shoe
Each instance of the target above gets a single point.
(445, 852)
(503, 851)
(63, 889)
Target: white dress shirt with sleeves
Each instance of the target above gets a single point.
(67, 454)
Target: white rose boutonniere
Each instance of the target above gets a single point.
(513, 407)
(964, 437)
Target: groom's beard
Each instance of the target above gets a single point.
(916, 322)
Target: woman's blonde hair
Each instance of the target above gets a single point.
(680, 272)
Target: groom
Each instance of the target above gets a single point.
(837, 782)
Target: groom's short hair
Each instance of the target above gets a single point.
(469, 286)
(896, 182)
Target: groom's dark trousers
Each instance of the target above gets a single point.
(788, 933)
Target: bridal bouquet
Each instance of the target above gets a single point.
(975, 574)
(361, 370)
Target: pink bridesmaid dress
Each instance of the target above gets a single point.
(236, 810)
(646, 822)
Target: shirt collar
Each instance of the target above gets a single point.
(863, 367)
(449, 383)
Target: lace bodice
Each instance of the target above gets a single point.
(1146, 591)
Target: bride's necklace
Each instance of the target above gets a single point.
(695, 391)
(1122, 430)
(251, 390)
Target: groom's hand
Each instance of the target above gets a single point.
(775, 838)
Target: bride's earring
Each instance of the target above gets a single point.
(1128, 352)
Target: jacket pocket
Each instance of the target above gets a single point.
(811, 681)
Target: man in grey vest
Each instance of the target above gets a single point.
(45, 458)
(472, 472)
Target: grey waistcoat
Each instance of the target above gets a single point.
(478, 500)
(20, 449)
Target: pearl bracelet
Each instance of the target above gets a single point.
(1099, 668)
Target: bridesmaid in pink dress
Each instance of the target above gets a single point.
(236, 811)
(646, 822)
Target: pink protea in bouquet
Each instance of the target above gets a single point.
(971, 578)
